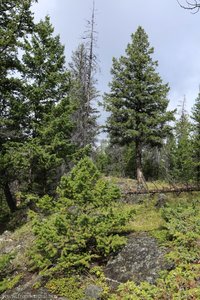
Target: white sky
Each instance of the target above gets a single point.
(173, 32)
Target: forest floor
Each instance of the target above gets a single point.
(172, 220)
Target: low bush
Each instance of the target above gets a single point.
(78, 226)
(5, 264)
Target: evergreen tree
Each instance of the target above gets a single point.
(16, 22)
(138, 99)
(49, 107)
(183, 168)
(47, 80)
(196, 136)
(41, 139)
(38, 162)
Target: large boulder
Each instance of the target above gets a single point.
(140, 260)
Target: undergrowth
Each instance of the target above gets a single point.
(76, 231)
(180, 232)
(81, 226)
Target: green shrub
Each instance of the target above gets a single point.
(183, 231)
(131, 291)
(82, 224)
(9, 283)
(67, 287)
(180, 283)
(5, 264)
(181, 234)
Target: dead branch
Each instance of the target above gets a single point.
(193, 5)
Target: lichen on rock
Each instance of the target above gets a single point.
(140, 260)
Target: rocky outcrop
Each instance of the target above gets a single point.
(140, 260)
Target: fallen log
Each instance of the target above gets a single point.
(177, 190)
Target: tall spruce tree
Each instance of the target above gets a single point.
(41, 133)
(16, 21)
(137, 101)
(196, 136)
(47, 80)
(48, 105)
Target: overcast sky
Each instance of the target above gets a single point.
(173, 32)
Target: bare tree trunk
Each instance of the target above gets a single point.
(9, 198)
(90, 72)
(139, 162)
(140, 177)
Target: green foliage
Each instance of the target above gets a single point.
(67, 287)
(98, 278)
(131, 291)
(181, 283)
(49, 109)
(4, 213)
(102, 158)
(146, 218)
(138, 98)
(180, 233)
(196, 137)
(47, 80)
(5, 260)
(39, 143)
(115, 160)
(32, 164)
(9, 283)
(74, 287)
(16, 23)
(183, 169)
(79, 184)
(183, 227)
(83, 225)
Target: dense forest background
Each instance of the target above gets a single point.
(70, 200)
(49, 111)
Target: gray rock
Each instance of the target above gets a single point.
(161, 202)
(73, 210)
(140, 260)
(93, 292)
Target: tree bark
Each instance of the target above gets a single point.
(140, 177)
(139, 173)
(9, 198)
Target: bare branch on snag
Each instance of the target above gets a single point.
(194, 5)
